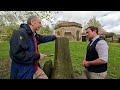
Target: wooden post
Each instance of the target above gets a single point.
(62, 62)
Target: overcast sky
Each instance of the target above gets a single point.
(110, 20)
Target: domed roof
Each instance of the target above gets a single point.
(68, 24)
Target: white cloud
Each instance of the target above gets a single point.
(109, 19)
(115, 29)
(81, 16)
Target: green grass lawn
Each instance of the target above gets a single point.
(77, 51)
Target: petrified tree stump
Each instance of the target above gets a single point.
(62, 62)
(48, 68)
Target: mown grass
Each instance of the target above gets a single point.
(77, 51)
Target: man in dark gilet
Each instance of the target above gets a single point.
(96, 59)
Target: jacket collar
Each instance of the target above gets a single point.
(27, 28)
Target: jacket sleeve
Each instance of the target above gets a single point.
(44, 39)
(19, 48)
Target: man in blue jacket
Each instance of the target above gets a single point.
(24, 51)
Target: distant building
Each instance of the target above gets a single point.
(71, 30)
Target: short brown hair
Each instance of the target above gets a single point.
(92, 28)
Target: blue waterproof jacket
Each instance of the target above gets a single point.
(22, 52)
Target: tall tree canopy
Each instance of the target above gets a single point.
(12, 18)
(93, 22)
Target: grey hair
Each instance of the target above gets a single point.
(31, 18)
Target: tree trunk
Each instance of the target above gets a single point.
(62, 62)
